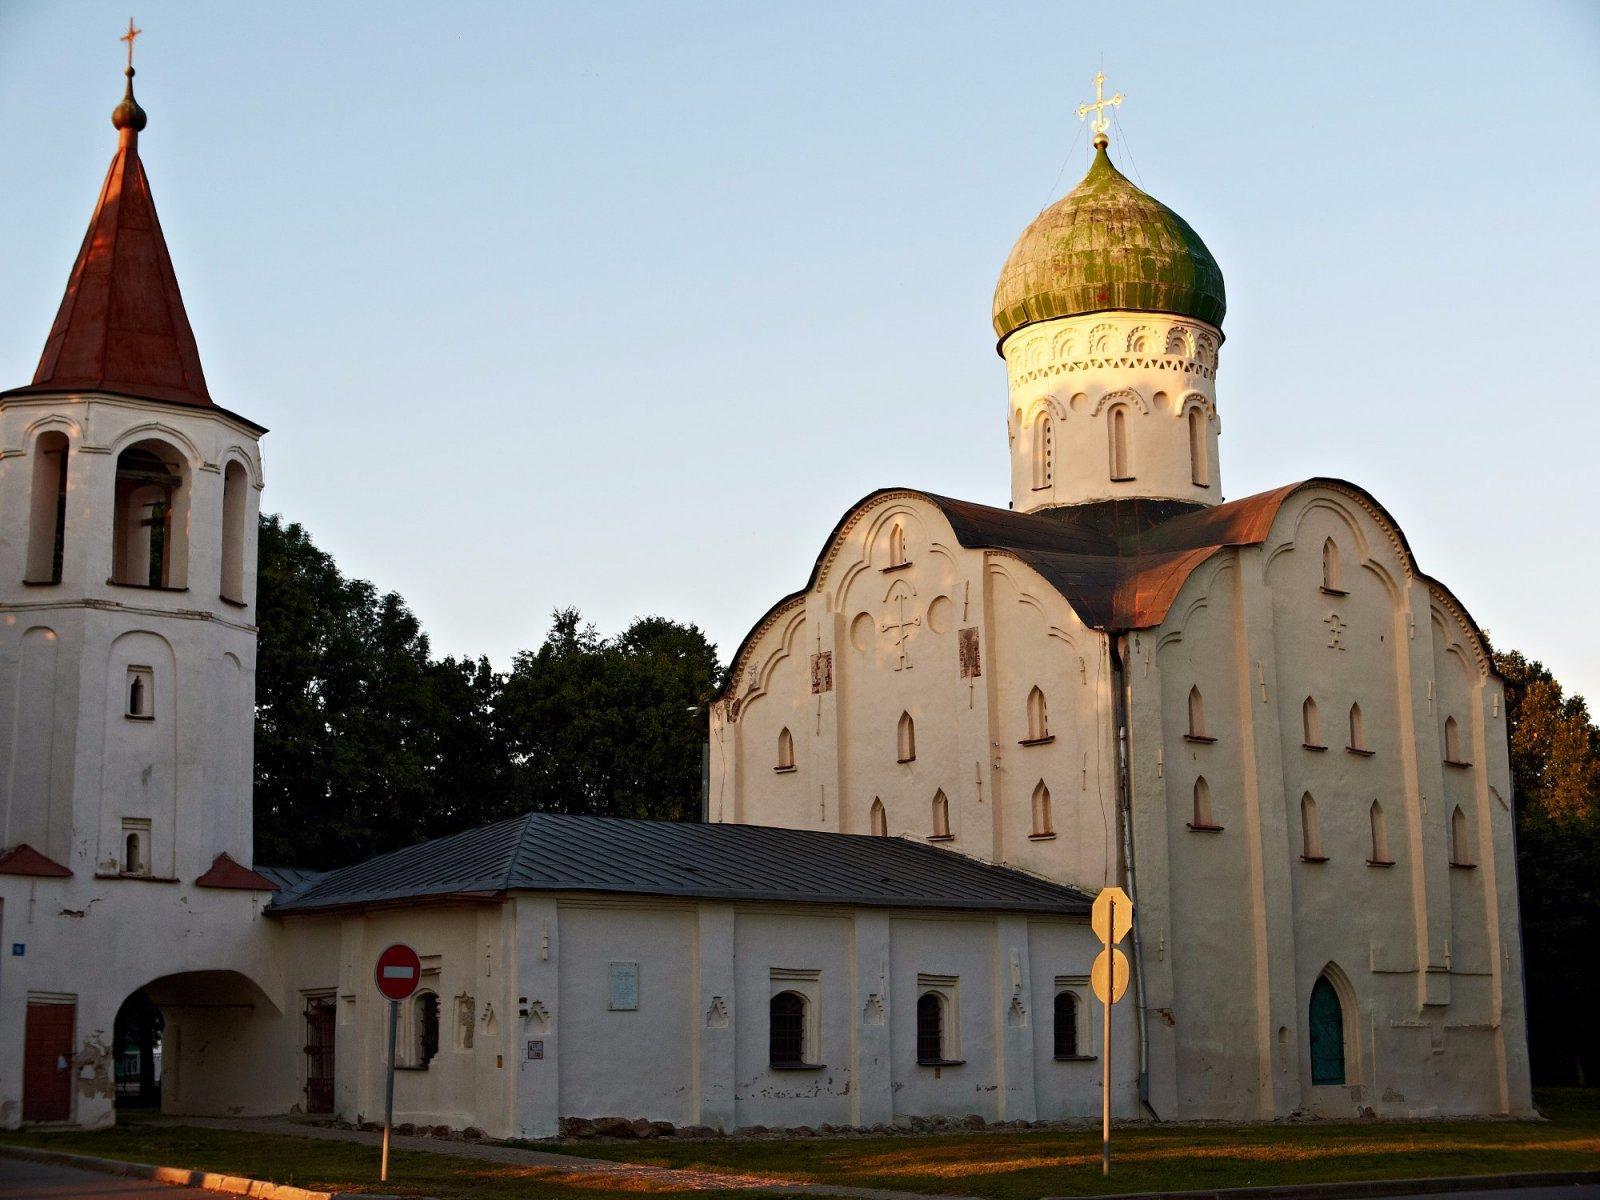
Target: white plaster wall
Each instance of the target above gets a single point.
(969, 730)
(1075, 369)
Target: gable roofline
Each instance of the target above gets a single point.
(1120, 564)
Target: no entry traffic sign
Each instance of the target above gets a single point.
(398, 972)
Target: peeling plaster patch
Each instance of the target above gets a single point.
(93, 1067)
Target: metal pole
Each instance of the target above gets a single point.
(388, 1097)
(1105, 1046)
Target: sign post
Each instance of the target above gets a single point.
(1111, 918)
(397, 974)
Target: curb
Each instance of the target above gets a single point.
(1366, 1188)
(177, 1176)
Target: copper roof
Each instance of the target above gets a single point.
(1119, 563)
(122, 326)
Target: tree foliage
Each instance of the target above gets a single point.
(365, 742)
(1555, 775)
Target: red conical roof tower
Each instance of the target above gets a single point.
(122, 327)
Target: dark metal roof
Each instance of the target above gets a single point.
(289, 879)
(555, 852)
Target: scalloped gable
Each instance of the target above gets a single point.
(1119, 563)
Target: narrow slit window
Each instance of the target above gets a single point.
(1380, 836)
(880, 819)
(1203, 817)
(785, 750)
(135, 846)
(1197, 713)
(1038, 717)
(1358, 728)
(1199, 466)
(140, 693)
(1310, 830)
(1330, 566)
(1119, 444)
(1452, 741)
(1043, 451)
(1460, 849)
(1310, 722)
(906, 739)
(133, 856)
(897, 545)
(941, 815)
(1066, 1025)
(1042, 824)
(47, 518)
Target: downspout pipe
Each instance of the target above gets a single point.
(1121, 703)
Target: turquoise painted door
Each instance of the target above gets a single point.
(1327, 1034)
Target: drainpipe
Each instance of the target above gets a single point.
(1120, 705)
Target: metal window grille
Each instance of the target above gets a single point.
(930, 1028)
(788, 1028)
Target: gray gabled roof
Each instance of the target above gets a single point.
(555, 852)
(289, 879)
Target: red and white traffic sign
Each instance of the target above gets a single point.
(398, 972)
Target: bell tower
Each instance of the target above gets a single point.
(128, 505)
(1109, 313)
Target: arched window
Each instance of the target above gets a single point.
(787, 1029)
(906, 739)
(1043, 450)
(1310, 830)
(1330, 566)
(1038, 717)
(235, 486)
(785, 750)
(897, 545)
(1452, 741)
(132, 856)
(1066, 1025)
(941, 815)
(1380, 837)
(1120, 465)
(1311, 724)
(1042, 826)
(1358, 729)
(138, 694)
(1199, 465)
(880, 819)
(47, 518)
(930, 1028)
(425, 1028)
(1460, 848)
(149, 546)
(1203, 816)
(1197, 714)
(1327, 1034)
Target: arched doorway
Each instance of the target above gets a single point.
(1327, 1034)
(136, 1038)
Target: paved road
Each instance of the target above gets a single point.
(1581, 1191)
(23, 1180)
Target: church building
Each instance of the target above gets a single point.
(1257, 716)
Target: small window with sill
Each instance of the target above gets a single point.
(1311, 725)
(1042, 824)
(1197, 718)
(793, 1026)
(785, 750)
(938, 1024)
(140, 694)
(1358, 733)
(1203, 818)
(425, 1029)
(906, 739)
(135, 847)
(1066, 1026)
(1330, 569)
(941, 817)
(1038, 720)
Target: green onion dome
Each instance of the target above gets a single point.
(1104, 246)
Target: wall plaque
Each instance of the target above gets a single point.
(624, 987)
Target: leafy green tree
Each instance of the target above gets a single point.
(610, 726)
(363, 742)
(1555, 770)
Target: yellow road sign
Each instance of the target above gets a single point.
(1110, 972)
(1112, 911)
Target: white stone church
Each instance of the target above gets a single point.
(1257, 716)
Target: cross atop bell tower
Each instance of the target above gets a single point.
(1098, 106)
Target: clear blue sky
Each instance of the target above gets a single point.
(622, 305)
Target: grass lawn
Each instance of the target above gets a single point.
(1015, 1166)
(347, 1166)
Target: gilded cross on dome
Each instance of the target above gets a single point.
(1099, 124)
(129, 38)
